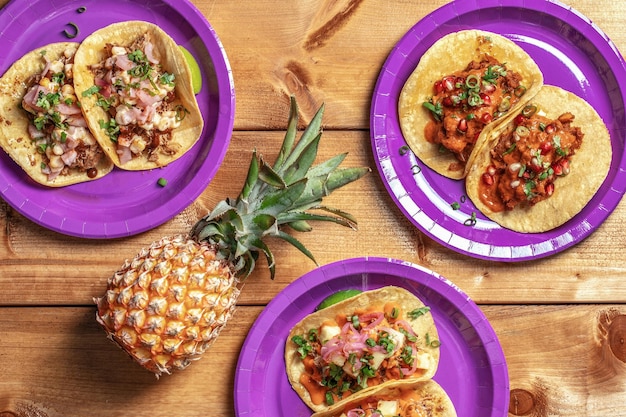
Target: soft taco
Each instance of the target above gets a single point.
(369, 341)
(542, 166)
(136, 91)
(421, 398)
(41, 123)
(463, 85)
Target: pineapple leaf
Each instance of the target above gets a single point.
(296, 243)
(322, 185)
(264, 221)
(244, 265)
(255, 242)
(219, 210)
(271, 177)
(253, 175)
(271, 262)
(207, 230)
(339, 178)
(282, 200)
(300, 226)
(289, 193)
(340, 213)
(341, 218)
(290, 134)
(309, 135)
(326, 167)
(301, 166)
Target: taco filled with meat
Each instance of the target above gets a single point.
(136, 91)
(422, 398)
(42, 127)
(372, 340)
(466, 83)
(542, 166)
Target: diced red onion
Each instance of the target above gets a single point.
(149, 51)
(123, 63)
(69, 157)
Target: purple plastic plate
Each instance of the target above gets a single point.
(571, 52)
(122, 203)
(470, 350)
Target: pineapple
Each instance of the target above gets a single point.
(167, 305)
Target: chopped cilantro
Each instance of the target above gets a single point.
(304, 348)
(407, 355)
(137, 56)
(435, 109)
(48, 101)
(111, 128)
(418, 312)
(167, 79)
(58, 78)
(91, 91)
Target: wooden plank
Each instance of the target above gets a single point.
(570, 360)
(34, 273)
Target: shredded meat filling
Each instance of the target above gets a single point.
(466, 101)
(529, 157)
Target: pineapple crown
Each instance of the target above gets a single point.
(288, 193)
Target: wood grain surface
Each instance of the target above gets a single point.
(561, 320)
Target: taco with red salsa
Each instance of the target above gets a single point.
(42, 127)
(136, 91)
(464, 85)
(422, 398)
(370, 341)
(542, 166)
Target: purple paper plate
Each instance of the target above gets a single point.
(122, 203)
(572, 53)
(472, 368)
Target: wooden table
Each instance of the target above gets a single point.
(561, 320)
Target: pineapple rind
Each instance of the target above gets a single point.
(167, 305)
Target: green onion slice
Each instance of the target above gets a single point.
(529, 110)
(472, 81)
(74, 33)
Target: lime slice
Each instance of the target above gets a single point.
(336, 297)
(196, 76)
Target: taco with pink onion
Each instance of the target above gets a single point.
(136, 91)
(42, 127)
(377, 339)
(421, 398)
(544, 165)
(464, 84)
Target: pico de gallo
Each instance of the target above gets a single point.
(530, 155)
(348, 353)
(464, 102)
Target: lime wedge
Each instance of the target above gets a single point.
(336, 297)
(196, 76)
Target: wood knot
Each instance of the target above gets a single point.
(297, 78)
(617, 337)
(521, 403)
